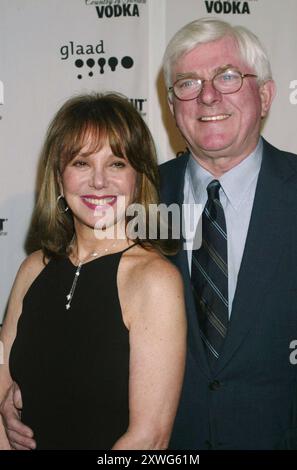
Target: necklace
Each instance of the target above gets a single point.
(70, 295)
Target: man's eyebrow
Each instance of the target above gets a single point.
(221, 68)
(224, 67)
(187, 75)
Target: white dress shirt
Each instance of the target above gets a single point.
(237, 193)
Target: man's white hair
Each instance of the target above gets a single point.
(205, 30)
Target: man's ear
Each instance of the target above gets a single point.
(267, 93)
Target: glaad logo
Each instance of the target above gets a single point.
(293, 95)
(93, 64)
(2, 226)
(227, 7)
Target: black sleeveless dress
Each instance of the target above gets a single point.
(72, 366)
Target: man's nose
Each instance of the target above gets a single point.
(209, 94)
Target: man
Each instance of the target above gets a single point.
(240, 389)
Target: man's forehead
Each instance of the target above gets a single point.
(208, 50)
(211, 56)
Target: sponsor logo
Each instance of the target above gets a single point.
(89, 59)
(78, 49)
(116, 8)
(139, 104)
(228, 6)
(2, 223)
(114, 2)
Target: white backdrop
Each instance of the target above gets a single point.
(49, 50)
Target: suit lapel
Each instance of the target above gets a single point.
(266, 235)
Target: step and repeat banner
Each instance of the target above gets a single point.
(53, 49)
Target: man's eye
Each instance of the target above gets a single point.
(228, 76)
(187, 84)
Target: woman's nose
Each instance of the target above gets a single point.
(98, 178)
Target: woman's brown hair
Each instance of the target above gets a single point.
(98, 118)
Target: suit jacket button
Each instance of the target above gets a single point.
(215, 385)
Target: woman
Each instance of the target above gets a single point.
(95, 328)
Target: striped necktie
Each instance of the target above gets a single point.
(210, 275)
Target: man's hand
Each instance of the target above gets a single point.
(20, 436)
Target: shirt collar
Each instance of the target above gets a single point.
(235, 183)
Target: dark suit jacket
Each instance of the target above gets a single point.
(250, 400)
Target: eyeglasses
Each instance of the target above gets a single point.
(226, 82)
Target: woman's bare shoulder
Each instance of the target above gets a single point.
(30, 268)
(150, 287)
(147, 267)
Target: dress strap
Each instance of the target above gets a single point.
(126, 249)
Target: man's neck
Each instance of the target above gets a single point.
(218, 165)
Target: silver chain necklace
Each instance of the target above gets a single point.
(70, 295)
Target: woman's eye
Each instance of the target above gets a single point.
(79, 163)
(118, 164)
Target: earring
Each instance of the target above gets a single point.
(64, 207)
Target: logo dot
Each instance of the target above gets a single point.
(90, 62)
(113, 62)
(101, 63)
(127, 62)
(79, 63)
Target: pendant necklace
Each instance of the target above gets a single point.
(70, 295)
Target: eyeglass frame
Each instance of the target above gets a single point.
(203, 80)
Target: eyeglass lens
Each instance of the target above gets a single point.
(228, 81)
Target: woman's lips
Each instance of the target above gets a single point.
(99, 203)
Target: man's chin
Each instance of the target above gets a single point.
(215, 149)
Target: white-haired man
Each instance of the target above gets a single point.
(241, 284)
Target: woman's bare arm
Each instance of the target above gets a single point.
(157, 327)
